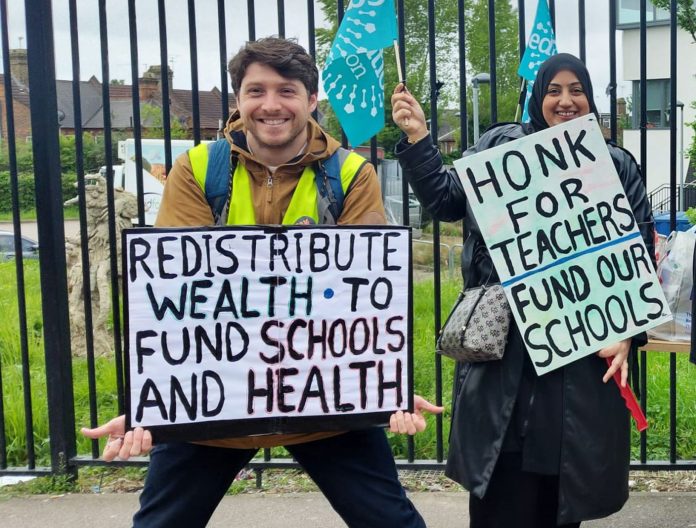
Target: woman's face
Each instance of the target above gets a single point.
(565, 99)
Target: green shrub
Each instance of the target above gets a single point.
(26, 190)
(23, 156)
(691, 215)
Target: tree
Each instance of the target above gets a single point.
(686, 19)
(153, 127)
(447, 59)
(417, 60)
(507, 59)
(686, 14)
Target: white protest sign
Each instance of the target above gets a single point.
(253, 330)
(563, 239)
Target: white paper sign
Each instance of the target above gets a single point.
(565, 244)
(255, 330)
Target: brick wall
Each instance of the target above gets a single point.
(22, 117)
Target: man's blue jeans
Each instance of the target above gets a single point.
(355, 471)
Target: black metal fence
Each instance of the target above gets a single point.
(54, 395)
(661, 198)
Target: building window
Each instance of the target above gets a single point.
(605, 120)
(628, 14)
(657, 103)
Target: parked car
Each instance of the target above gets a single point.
(30, 248)
(395, 210)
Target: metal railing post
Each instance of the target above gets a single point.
(49, 213)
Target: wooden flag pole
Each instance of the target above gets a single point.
(400, 71)
(519, 101)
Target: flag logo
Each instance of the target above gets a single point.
(541, 45)
(353, 76)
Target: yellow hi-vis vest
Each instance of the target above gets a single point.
(305, 199)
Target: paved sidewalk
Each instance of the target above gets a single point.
(30, 229)
(307, 510)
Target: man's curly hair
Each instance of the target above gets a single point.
(285, 56)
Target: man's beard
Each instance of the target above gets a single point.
(280, 144)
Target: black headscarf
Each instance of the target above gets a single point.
(546, 73)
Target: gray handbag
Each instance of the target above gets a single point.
(477, 328)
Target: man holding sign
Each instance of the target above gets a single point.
(540, 438)
(272, 151)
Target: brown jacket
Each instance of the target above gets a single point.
(184, 204)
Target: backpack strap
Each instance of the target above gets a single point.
(328, 179)
(221, 165)
(327, 176)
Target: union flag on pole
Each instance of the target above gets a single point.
(353, 76)
(540, 46)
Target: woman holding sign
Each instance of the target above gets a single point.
(534, 451)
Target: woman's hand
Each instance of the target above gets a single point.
(412, 423)
(408, 114)
(120, 443)
(619, 353)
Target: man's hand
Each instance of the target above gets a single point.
(619, 353)
(412, 423)
(119, 443)
(408, 114)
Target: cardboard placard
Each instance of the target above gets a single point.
(266, 329)
(564, 241)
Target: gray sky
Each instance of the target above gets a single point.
(266, 24)
(148, 35)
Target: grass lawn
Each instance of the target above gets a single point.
(69, 213)
(13, 380)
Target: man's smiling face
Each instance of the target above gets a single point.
(275, 111)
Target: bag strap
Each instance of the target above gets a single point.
(490, 274)
(327, 177)
(481, 293)
(460, 298)
(218, 177)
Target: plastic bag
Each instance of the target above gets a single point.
(675, 271)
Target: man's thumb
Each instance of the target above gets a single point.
(114, 427)
(425, 405)
(95, 433)
(434, 409)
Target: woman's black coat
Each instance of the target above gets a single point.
(595, 446)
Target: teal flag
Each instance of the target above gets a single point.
(353, 76)
(528, 96)
(540, 46)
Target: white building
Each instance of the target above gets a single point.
(658, 89)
